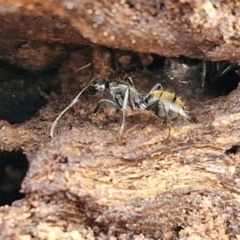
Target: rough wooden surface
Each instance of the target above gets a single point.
(198, 29)
(88, 182)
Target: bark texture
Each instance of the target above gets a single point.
(193, 28)
(90, 183)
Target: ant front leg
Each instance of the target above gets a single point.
(129, 79)
(124, 107)
(107, 102)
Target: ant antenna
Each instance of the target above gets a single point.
(74, 101)
(83, 67)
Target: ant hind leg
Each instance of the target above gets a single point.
(166, 117)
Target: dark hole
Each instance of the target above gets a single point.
(178, 229)
(130, 4)
(211, 78)
(20, 97)
(220, 82)
(13, 168)
(162, 6)
(226, 83)
(157, 63)
(233, 11)
(233, 150)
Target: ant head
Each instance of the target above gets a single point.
(97, 85)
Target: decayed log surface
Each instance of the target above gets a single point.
(89, 183)
(198, 29)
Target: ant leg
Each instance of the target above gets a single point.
(205, 67)
(125, 76)
(83, 67)
(131, 81)
(124, 107)
(74, 101)
(155, 87)
(230, 67)
(167, 118)
(107, 102)
(128, 79)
